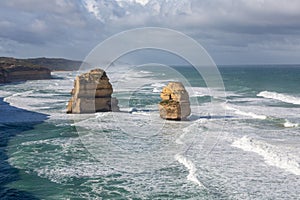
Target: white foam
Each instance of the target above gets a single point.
(198, 91)
(272, 154)
(289, 124)
(60, 173)
(194, 127)
(4, 93)
(145, 72)
(158, 85)
(204, 91)
(60, 170)
(179, 140)
(191, 167)
(156, 90)
(281, 97)
(26, 93)
(248, 114)
(31, 103)
(140, 113)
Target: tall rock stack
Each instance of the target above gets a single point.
(175, 104)
(92, 93)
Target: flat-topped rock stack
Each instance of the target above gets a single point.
(175, 104)
(92, 93)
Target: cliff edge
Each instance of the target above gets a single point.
(13, 70)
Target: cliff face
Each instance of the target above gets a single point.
(175, 104)
(92, 93)
(54, 64)
(12, 71)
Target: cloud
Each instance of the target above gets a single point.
(39, 22)
(242, 17)
(54, 6)
(225, 27)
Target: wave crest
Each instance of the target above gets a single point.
(247, 114)
(272, 154)
(281, 97)
(288, 124)
(191, 167)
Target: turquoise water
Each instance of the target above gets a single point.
(243, 147)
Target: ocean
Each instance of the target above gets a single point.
(245, 146)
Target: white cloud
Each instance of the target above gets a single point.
(54, 6)
(142, 2)
(225, 27)
(92, 7)
(232, 16)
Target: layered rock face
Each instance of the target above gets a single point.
(12, 70)
(92, 93)
(175, 104)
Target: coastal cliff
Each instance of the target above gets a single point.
(54, 64)
(15, 70)
(57, 64)
(92, 93)
(12, 70)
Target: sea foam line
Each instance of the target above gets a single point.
(186, 162)
(191, 167)
(272, 154)
(281, 97)
(248, 114)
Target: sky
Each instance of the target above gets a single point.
(232, 31)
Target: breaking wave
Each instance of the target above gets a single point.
(281, 97)
(247, 114)
(288, 124)
(191, 167)
(272, 154)
(192, 176)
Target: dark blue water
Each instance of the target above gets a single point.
(9, 129)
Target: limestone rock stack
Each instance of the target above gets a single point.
(175, 104)
(92, 93)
